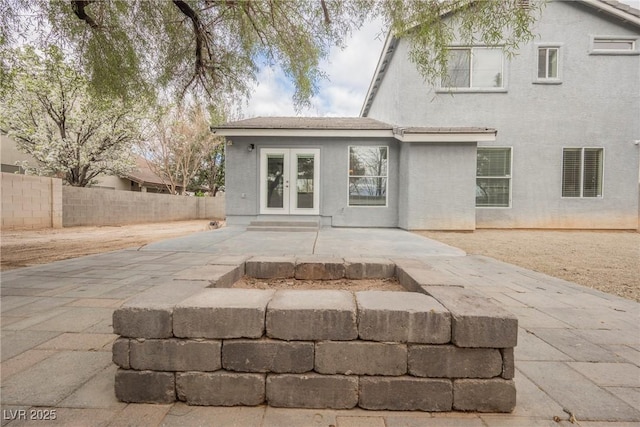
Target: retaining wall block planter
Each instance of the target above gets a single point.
(438, 348)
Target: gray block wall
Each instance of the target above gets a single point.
(316, 348)
(96, 206)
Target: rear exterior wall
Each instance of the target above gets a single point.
(597, 104)
(242, 180)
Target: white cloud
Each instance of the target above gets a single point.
(349, 72)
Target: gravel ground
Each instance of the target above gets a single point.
(391, 284)
(605, 260)
(32, 247)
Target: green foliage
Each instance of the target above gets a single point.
(211, 174)
(48, 108)
(433, 25)
(213, 48)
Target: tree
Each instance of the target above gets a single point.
(50, 112)
(212, 48)
(211, 175)
(179, 145)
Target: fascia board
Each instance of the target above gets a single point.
(446, 137)
(613, 11)
(323, 133)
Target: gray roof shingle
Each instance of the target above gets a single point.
(357, 123)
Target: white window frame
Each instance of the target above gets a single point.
(581, 196)
(635, 46)
(349, 176)
(548, 80)
(471, 88)
(510, 176)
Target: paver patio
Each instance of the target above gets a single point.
(578, 349)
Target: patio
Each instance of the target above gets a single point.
(578, 352)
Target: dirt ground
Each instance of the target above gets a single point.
(604, 260)
(31, 247)
(343, 284)
(608, 261)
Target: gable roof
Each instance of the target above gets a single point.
(624, 12)
(143, 175)
(349, 127)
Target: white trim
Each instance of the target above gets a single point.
(581, 196)
(386, 54)
(635, 46)
(327, 133)
(548, 80)
(445, 137)
(386, 190)
(264, 153)
(599, 4)
(474, 89)
(499, 177)
(293, 210)
(289, 171)
(397, 133)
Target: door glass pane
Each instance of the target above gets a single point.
(275, 168)
(304, 182)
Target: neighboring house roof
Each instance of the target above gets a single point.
(350, 127)
(625, 13)
(143, 175)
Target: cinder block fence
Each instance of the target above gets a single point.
(32, 202)
(440, 349)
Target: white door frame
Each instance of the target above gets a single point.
(289, 181)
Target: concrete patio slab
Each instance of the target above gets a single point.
(578, 349)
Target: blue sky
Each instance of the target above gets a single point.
(341, 95)
(349, 72)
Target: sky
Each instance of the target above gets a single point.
(349, 73)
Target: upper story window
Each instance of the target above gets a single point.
(548, 64)
(474, 68)
(368, 173)
(614, 45)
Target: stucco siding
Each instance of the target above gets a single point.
(243, 166)
(597, 104)
(440, 194)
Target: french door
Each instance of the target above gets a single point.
(289, 181)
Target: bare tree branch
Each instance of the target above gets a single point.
(78, 9)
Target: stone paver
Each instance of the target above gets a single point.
(578, 349)
(48, 382)
(573, 392)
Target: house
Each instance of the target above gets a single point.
(140, 178)
(547, 139)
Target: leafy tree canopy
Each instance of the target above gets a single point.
(213, 48)
(51, 113)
